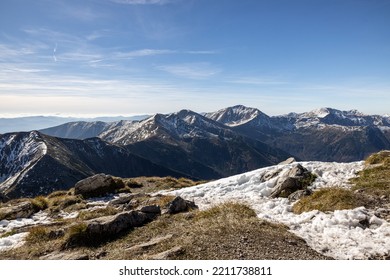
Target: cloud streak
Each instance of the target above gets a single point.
(197, 71)
(142, 2)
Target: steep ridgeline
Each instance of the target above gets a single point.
(325, 134)
(77, 130)
(193, 144)
(32, 163)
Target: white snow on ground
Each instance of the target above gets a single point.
(13, 241)
(338, 234)
(16, 240)
(38, 218)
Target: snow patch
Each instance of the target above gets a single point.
(13, 241)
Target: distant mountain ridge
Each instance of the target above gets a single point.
(324, 134)
(32, 163)
(185, 144)
(24, 124)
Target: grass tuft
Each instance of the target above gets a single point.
(38, 234)
(374, 180)
(40, 203)
(329, 199)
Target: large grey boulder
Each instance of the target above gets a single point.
(298, 178)
(21, 210)
(97, 185)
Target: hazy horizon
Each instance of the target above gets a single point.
(131, 57)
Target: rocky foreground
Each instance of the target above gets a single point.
(108, 218)
(289, 211)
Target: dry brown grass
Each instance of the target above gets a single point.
(40, 203)
(329, 199)
(154, 184)
(64, 202)
(100, 212)
(374, 180)
(227, 231)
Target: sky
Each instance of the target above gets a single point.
(129, 57)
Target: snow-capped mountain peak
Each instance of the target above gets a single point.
(237, 115)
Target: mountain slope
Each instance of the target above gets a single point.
(324, 134)
(193, 144)
(77, 130)
(33, 163)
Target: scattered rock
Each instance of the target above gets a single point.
(151, 243)
(299, 194)
(65, 256)
(150, 209)
(54, 234)
(269, 175)
(287, 161)
(298, 178)
(167, 254)
(124, 199)
(180, 205)
(21, 210)
(97, 185)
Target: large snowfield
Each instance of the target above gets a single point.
(338, 234)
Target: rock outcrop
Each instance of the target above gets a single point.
(21, 210)
(298, 178)
(104, 228)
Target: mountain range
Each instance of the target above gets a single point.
(183, 144)
(40, 122)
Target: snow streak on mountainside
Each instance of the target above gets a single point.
(237, 115)
(194, 145)
(181, 125)
(18, 154)
(343, 119)
(319, 118)
(324, 134)
(34, 163)
(338, 234)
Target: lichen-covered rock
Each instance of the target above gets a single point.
(21, 210)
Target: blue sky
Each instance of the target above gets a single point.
(125, 57)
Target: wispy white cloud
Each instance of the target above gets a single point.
(97, 34)
(142, 2)
(198, 70)
(141, 53)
